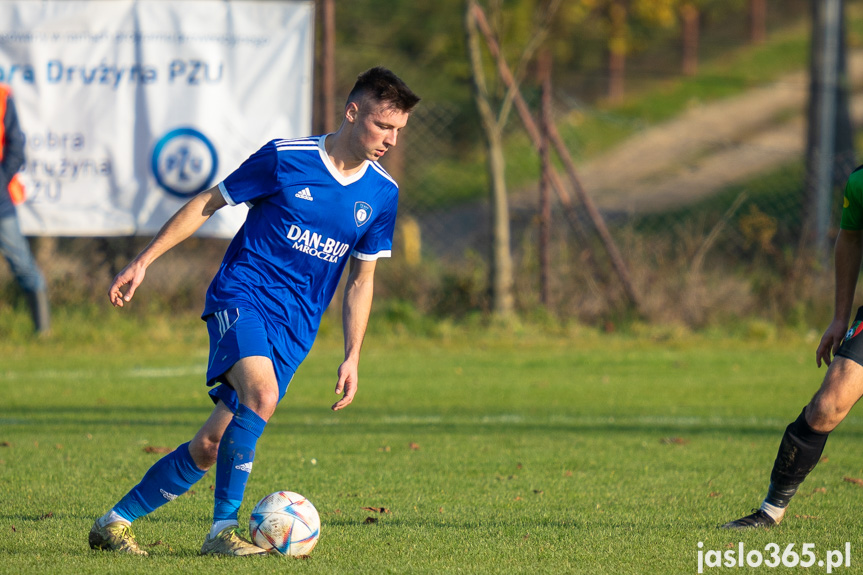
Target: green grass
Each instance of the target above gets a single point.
(532, 452)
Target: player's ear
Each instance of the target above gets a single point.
(352, 112)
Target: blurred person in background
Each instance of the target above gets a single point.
(13, 244)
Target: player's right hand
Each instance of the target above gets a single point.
(830, 341)
(132, 275)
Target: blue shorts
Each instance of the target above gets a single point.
(235, 334)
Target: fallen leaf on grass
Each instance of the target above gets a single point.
(48, 515)
(376, 509)
(518, 465)
(160, 542)
(714, 494)
(14, 530)
(729, 545)
(414, 446)
(5, 444)
(674, 441)
(853, 480)
(385, 448)
(440, 510)
(303, 557)
(59, 446)
(517, 499)
(538, 491)
(154, 449)
(370, 520)
(526, 536)
(824, 459)
(567, 473)
(805, 517)
(816, 490)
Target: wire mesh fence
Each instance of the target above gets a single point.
(709, 210)
(714, 222)
(735, 247)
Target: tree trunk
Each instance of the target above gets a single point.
(325, 113)
(690, 32)
(616, 51)
(757, 21)
(503, 302)
(545, 180)
(328, 68)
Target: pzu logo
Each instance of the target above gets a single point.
(184, 162)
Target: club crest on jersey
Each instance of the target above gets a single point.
(362, 213)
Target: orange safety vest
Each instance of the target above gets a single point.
(16, 186)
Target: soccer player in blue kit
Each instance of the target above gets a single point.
(315, 203)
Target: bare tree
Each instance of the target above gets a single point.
(503, 301)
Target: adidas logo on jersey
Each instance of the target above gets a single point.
(247, 467)
(304, 194)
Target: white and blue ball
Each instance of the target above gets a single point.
(286, 522)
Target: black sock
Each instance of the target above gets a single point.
(798, 455)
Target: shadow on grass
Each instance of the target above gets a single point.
(301, 421)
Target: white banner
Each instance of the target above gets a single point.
(130, 108)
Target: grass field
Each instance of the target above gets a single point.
(518, 453)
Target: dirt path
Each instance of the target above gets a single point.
(695, 155)
(709, 147)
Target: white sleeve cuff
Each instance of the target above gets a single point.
(226, 195)
(371, 257)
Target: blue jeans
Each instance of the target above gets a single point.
(16, 250)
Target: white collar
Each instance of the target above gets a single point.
(334, 172)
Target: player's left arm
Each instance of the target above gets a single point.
(356, 307)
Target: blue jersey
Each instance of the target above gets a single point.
(305, 220)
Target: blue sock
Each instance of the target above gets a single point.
(166, 480)
(234, 462)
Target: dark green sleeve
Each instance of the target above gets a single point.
(852, 203)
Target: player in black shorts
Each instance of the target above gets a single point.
(803, 441)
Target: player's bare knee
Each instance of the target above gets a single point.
(824, 413)
(263, 403)
(204, 450)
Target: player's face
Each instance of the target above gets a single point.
(376, 130)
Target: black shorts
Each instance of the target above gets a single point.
(852, 345)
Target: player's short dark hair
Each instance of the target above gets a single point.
(382, 86)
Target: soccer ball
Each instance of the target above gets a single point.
(286, 522)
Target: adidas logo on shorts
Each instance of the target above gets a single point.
(304, 194)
